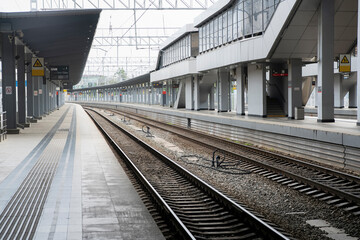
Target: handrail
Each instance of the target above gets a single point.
(3, 126)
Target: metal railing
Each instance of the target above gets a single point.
(3, 126)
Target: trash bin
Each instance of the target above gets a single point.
(299, 113)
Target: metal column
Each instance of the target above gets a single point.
(29, 86)
(358, 67)
(8, 81)
(256, 90)
(294, 86)
(240, 91)
(36, 81)
(21, 83)
(325, 89)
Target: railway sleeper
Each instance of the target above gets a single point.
(199, 210)
(205, 218)
(219, 223)
(343, 204)
(175, 198)
(218, 228)
(226, 234)
(192, 205)
(189, 201)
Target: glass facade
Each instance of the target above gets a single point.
(244, 18)
(178, 51)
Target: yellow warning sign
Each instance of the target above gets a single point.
(345, 59)
(37, 66)
(345, 64)
(37, 63)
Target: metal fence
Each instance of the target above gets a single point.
(3, 126)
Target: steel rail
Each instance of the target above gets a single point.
(176, 222)
(322, 187)
(233, 207)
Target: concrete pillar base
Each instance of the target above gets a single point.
(255, 115)
(31, 120)
(326, 120)
(13, 131)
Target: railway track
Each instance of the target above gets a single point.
(335, 188)
(193, 208)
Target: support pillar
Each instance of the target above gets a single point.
(294, 86)
(325, 89)
(46, 96)
(21, 83)
(168, 95)
(358, 68)
(223, 91)
(29, 87)
(8, 81)
(41, 96)
(36, 82)
(196, 93)
(338, 89)
(240, 91)
(189, 93)
(352, 97)
(256, 90)
(212, 98)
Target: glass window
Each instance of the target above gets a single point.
(268, 3)
(269, 7)
(248, 17)
(240, 18)
(234, 9)
(220, 29)
(208, 36)
(181, 49)
(257, 16)
(224, 29)
(202, 39)
(188, 46)
(211, 35)
(216, 32)
(184, 48)
(229, 27)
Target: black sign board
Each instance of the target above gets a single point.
(157, 85)
(67, 85)
(59, 73)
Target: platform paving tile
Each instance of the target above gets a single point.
(104, 189)
(98, 212)
(101, 228)
(91, 197)
(100, 220)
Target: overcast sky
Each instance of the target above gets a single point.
(123, 19)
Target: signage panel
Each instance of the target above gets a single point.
(345, 63)
(59, 73)
(37, 66)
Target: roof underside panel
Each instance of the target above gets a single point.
(61, 37)
(299, 40)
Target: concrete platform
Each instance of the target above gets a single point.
(336, 144)
(90, 196)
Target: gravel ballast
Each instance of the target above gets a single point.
(280, 204)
